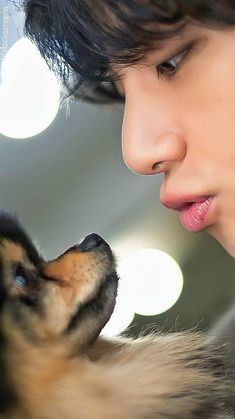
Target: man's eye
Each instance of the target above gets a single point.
(21, 281)
(168, 68)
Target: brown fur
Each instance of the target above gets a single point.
(52, 369)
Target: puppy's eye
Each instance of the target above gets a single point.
(21, 281)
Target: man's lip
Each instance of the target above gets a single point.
(178, 203)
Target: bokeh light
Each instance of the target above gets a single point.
(29, 93)
(151, 282)
(154, 279)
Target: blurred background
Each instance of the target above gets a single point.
(61, 172)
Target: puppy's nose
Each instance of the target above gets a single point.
(91, 242)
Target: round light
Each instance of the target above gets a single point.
(29, 94)
(123, 313)
(154, 279)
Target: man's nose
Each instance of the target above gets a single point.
(152, 139)
(148, 154)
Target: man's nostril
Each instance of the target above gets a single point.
(158, 166)
(91, 242)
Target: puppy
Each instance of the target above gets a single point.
(54, 365)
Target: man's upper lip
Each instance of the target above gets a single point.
(178, 203)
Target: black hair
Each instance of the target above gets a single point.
(82, 40)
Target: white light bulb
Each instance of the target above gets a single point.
(29, 94)
(154, 279)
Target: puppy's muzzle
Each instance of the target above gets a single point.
(91, 242)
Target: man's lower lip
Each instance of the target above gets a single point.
(193, 216)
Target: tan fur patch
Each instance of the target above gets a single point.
(77, 275)
(11, 252)
(67, 268)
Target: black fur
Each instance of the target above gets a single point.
(11, 229)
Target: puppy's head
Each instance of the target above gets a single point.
(72, 296)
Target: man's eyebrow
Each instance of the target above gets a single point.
(159, 49)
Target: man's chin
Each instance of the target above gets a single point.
(224, 236)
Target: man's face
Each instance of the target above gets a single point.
(180, 120)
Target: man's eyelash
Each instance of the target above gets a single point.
(168, 68)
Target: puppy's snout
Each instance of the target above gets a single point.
(91, 242)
